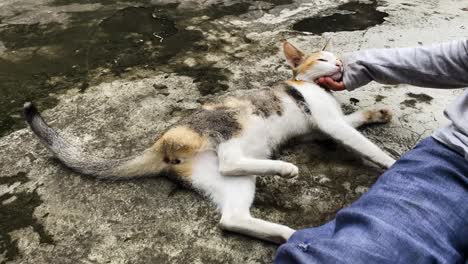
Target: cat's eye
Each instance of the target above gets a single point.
(322, 60)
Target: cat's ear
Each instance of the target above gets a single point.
(294, 57)
(328, 45)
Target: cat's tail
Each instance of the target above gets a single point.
(141, 165)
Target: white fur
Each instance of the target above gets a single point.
(330, 67)
(228, 175)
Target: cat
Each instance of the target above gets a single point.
(220, 149)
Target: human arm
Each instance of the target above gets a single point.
(437, 66)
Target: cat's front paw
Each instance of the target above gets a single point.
(378, 116)
(288, 170)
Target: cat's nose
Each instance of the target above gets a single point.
(338, 63)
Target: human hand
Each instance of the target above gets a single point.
(331, 84)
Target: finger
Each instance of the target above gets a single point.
(333, 85)
(320, 81)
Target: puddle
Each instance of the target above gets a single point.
(409, 103)
(102, 2)
(379, 98)
(416, 98)
(353, 101)
(421, 97)
(41, 59)
(347, 17)
(17, 212)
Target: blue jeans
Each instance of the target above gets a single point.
(416, 212)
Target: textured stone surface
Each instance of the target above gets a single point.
(49, 214)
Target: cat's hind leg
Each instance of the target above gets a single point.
(234, 196)
(239, 220)
(238, 195)
(232, 162)
(366, 117)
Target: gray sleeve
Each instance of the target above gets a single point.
(438, 66)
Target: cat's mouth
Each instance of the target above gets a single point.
(338, 74)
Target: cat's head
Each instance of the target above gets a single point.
(311, 67)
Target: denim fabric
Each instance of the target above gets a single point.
(416, 212)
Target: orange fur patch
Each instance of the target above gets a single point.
(229, 102)
(182, 140)
(184, 170)
(308, 63)
(180, 144)
(295, 82)
(368, 115)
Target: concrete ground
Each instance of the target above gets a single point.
(112, 79)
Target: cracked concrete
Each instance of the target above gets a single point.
(49, 214)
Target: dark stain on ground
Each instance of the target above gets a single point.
(102, 2)
(347, 17)
(353, 101)
(41, 59)
(315, 157)
(348, 109)
(416, 98)
(17, 214)
(421, 97)
(409, 103)
(279, 2)
(379, 98)
(211, 78)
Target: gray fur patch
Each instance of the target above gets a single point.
(220, 124)
(72, 156)
(266, 103)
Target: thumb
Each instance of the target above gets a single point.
(332, 84)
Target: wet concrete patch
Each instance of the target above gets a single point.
(347, 17)
(41, 59)
(44, 59)
(317, 161)
(409, 103)
(279, 2)
(17, 212)
(421, 97)
(379, 98)
(102, 2)
(212, 79)
(353, 101)
(416, 98)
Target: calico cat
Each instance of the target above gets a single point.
(221, 148)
